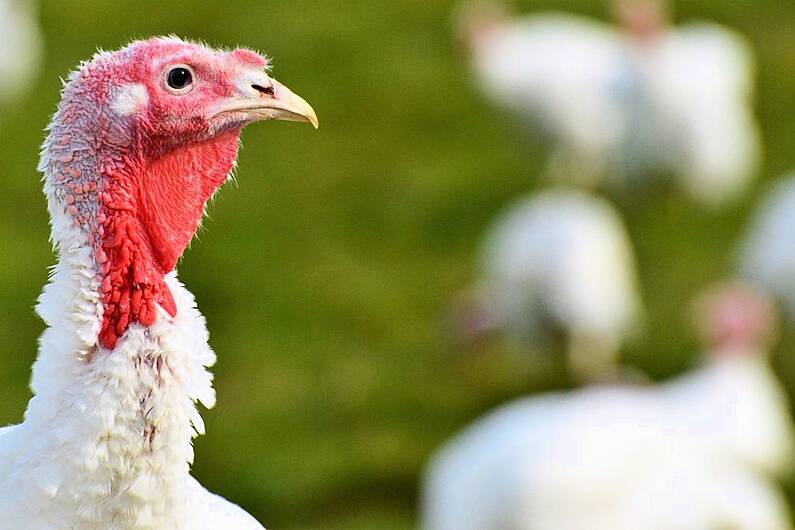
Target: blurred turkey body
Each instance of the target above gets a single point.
(618, 110)
(561, 260)
(691, 454)
(20, 47)
(767, 253)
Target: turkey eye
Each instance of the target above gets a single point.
(179, 78)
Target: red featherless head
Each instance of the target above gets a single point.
(142, 139)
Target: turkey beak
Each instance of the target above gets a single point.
(277, 102)
(267, 99)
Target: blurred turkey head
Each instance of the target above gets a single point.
(643, 20)
(475, 20)
(736, 317)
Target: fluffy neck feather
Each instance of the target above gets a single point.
(737, 401)
(106, 441)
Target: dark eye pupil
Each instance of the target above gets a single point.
(179, 78)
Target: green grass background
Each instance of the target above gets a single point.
(324, 271)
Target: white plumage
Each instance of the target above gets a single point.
(20, 47)
(561, 260)
(691, 454)
(619, 109)
(62, 482)
(699, 80)
(767, 252)
(559, 72)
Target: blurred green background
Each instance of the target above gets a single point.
(324, 272)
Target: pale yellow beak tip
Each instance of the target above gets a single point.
(294, 107)
(312, 119)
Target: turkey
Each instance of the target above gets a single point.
(767, 251)
(20, 47)
(559, 262)
(142, 138)
(619, 106)
(695, 453)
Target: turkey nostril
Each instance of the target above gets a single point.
(264, 89)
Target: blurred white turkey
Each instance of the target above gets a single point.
(767, 252)
(560, 261)
(695, 453)
(619, 105)
(20, 47)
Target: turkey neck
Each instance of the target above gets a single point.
(110, 428)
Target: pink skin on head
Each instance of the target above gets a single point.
(479, 20)
(250, 58)
(737, 318)
(642, 19)
(134, 162)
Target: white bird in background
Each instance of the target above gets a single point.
(559, 261)
(767, 251)
(696, 453)
(620, 105)
(735, 402)
(21, 47)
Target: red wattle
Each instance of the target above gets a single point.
(149, 214)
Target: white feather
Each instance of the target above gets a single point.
(692, 454)
(20, 47)
(767, 252)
